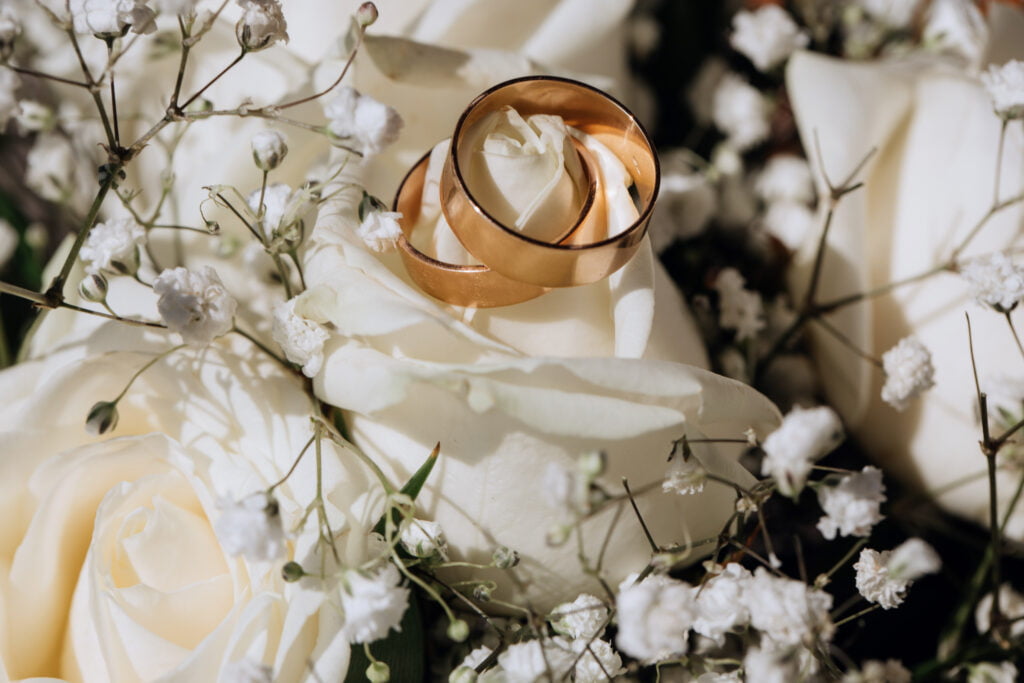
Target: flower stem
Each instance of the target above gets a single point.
(866, 610)
(150, 363)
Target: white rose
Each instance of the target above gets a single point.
(929, 182)
(110, 568)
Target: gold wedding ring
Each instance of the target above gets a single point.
(477, 286)
(577, 259)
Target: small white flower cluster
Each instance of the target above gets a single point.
(884, 577)
(996, 281)
(741, 309)
(852, 505)
(252, 527)
(195, 304)
(555, 658)
(656, 615)
(362, 122)
(301, 339)
(767, 36)
(1005, 85)
(805, 435)
(787, 188)
(422, 538)
(110, 18)
(113, 247)
(1011, 604)
(908, 372)
(373, 604)
(740, 111)
(380, 230)
(990, 672)
(283, 209)
(261, 25)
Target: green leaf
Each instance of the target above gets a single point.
(403, 651)
(412, 487)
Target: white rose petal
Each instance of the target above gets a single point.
(195, 304)
(247, 671)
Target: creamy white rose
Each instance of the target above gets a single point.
(930, 181)
(111, 569)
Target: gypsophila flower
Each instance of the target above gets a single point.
(9, 83)
(740, 111)
(785, 611)
(804, 436)
(761, 665)
(654, 617)
(563, 490)
(195, 304)
(535, 660)
(269, 149)
(893, 13)
(852, 505)
(252, 527)
(720, 606)
(875, 671)
(767, 36)
(995, 281)
(786, 177)
(373, 605)
(34, 117)
(1011, 603)
(741, 309)
(380, 230)
(422, 538)
(584, 617)
(301, 339)
(8, 242)
(111, 17)
(791, 222)
(10, 29)
(246, 670)
(367, 14)
(476, 657)
(282, 210)
(598, 661)
(113, 247)
(1005, 85)
(50, 164)
(362, 122)
(261, 25)
(884, 577)
(990, 672)
(908, 372)
(684, 476)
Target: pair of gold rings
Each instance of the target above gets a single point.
(517, 267)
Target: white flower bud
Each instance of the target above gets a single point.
(268, 149)
(366, 14)
(458, 630)
(463, 674)
(93, 288)
(195, 304)
(505, 558)
(102, 418)
(378, 672)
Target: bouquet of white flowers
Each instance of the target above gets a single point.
(572, 405)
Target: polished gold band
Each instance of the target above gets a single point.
(578, 259)
(477, 286)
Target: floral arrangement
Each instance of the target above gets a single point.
(244, 438)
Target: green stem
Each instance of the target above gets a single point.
(216, 78)
(859, 614)
(153, 361)
(294, 465)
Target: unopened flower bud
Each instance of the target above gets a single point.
(102, 418)
(458, 630)
(505, 558)
(268, 149)
(93, 288)
(591, 465)
(292, 572)
(213, 227)
(378, 672)
(557, 535)
(366, 14)
(482, 592)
